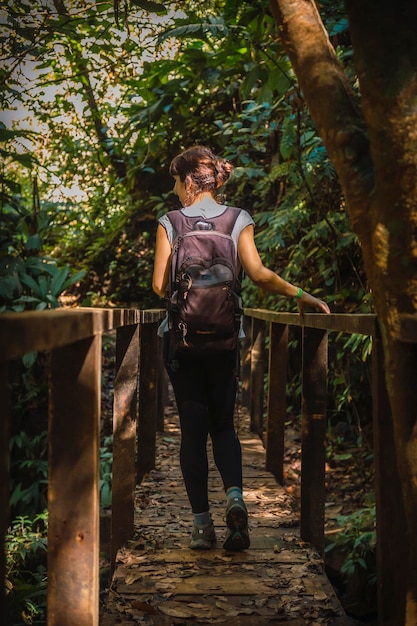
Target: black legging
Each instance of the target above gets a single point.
(205, 392)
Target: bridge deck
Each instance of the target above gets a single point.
(160, 581)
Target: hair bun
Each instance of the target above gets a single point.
(223, 170)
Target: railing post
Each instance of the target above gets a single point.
(391, 547)
(245, 361)
(147, 399)
(258, 365)
(277, 399)
(162, 388)
(73, 494)
(125, 414)
(314, 423)
(4, 476)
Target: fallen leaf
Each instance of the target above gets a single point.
(163, 587)
(132, 578)
(144, 606)
(187, 573)
(175, 610)
(241, 611)
(224, 606)
(320, 595)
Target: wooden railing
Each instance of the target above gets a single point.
(391, 523)
(73, 338)
(314, 367)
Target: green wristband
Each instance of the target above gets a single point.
(299, 293)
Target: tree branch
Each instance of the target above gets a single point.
(330, 101)
(105, 142)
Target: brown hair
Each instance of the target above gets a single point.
(202, 169)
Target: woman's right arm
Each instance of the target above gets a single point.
(268, 280)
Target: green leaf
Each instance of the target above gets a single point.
(288, 140)
(54, 302)
(44, 284)
(36, 263)
(30, 282)
(338, 27)
(33, 243)
(74, 279)
(343, 457)
(26, 159)
(29, 358)
(8, 287)
(149, 5)
(58, 281)
(6, 133)
(27, 299)
(215, 28)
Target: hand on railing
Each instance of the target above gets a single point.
(306, 301)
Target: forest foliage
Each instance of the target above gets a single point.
(97, 98)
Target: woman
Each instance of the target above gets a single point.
(205, 386)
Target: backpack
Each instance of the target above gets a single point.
(204, 306)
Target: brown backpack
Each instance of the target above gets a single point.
(204, 308)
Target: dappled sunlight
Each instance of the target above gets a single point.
(279, 577)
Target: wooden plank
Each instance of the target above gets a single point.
(45, 330)
(279, 579)
(364, 324)
(216, 591)
(391, 548)
(408, 328)
(152, 316)
(166, 620)
(147, 400)
(245, 363)
(213, 583)
(216, 555)
(4, 476)
(125, 414)
(222, 609)
(220, 578)
(313, 434)
(73, 497)
(162, 387)
(258, 367)
(277, 399)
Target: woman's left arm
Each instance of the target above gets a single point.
(162, 261)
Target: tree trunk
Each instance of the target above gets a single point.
(374, 152)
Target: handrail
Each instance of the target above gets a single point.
(314, 367)
(257, 359)
(46, 330)
(73, 339)
(361, 323)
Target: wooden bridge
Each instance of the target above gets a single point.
(279, 579)
(157, 579)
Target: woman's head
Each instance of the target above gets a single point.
(200, 171)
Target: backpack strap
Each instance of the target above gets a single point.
(223, 223)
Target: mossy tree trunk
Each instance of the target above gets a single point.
(373, 145)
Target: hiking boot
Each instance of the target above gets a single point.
(203, 537)
(237, 534)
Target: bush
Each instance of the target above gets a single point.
(26, 546)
